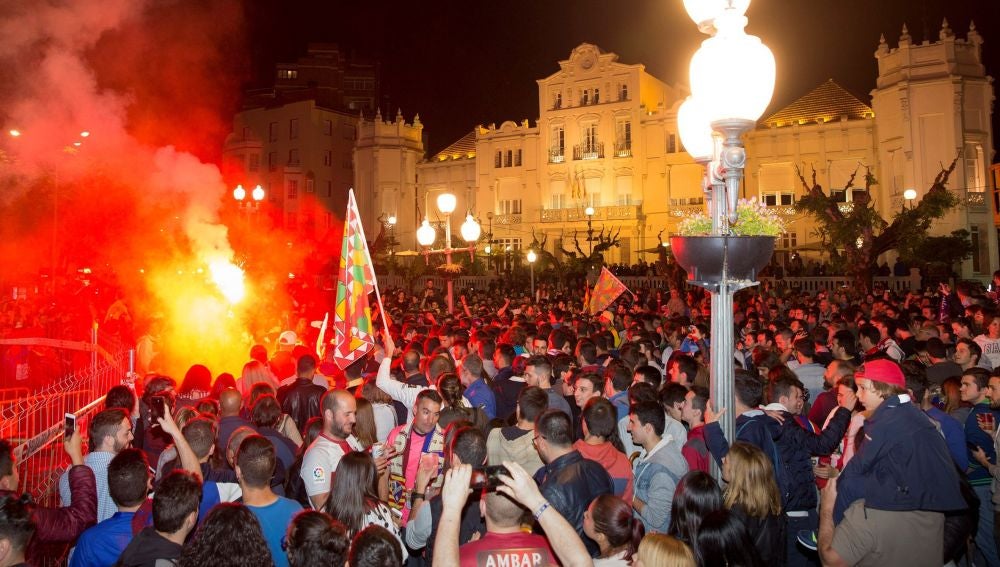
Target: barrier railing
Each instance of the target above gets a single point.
(34, 423)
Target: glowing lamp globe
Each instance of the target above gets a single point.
(732, 73)
(910, 194)
(446, 203)
(704, 12)
(239, 193)
(695, 129)
(258, 193)
(532, 256)
(426, 234)
(470, 229)
(589, 211)
(391, 220)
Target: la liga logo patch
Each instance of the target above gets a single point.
(319, 474)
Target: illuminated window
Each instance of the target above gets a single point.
(778, 198)
(288, 74)
(510, 207)
(293, 188)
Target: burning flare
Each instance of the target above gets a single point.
(229, 279)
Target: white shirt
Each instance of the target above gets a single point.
(320, 462)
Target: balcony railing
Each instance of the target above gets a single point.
(507, 219)
(588, 151)
(557, 155)
(623, 149)
(578, 214)
(976, 201)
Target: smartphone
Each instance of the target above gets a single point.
(487, 477)
(70, 424)
(158, 407)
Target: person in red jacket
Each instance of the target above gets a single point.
(695, 450)
(600, 443)
(63, 524)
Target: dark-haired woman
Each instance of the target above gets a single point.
(354, 498)
(723, 540)
(610, 522)
(696, 496)
(230, 536)
(455, 407)
(315, 539)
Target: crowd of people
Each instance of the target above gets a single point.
(527, 431)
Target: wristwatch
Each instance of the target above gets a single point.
(413, 497)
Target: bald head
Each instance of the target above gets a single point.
(230, 402)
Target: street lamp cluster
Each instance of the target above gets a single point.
(470, 231)
(732, 79)
(240, 194)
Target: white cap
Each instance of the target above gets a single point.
(288, 338)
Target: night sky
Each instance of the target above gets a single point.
(459, 64)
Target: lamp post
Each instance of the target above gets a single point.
(251, 205)
(910, 195)
(470, 230)
(589, 211)
(711, 122)
(531, 263)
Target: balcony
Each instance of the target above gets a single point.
(507, 220)
(976, 201)
(577, 214)
(623, 149)
(593, 150)
(557, 155)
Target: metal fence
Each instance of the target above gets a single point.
(33, 422)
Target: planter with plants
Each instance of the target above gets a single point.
(736, 256)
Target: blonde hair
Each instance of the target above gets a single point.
(253, 372)
(661, 550)
(364, 426)
(752, 484)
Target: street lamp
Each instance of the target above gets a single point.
(531, 262)
(711, 122)
(910, 195)
(470, 230)
(251, 205)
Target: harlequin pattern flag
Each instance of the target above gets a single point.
(606, 290)
(354, 335)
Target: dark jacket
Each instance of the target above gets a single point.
(146, 548)
(570, 483)
(754, 427)
(64, 524)
(300, 400)
(506, 392)
(903, 465)
(796, 446)
(768, 535)
(227, 425)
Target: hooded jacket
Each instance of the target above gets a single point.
(514, 444)
(903, 465)
(64, 524)
(613, 461)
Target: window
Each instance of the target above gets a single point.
(557, 103)
(293, 157)
(597, 96)
(329, 188)
(247, 133)
(310, 186)
(508, 159)
(585, 98)
(293, 188)
(293, 129)
(789, 240)
(254, 162)
(623, 131)
(291, 221)
(498, 161)
(328, 158)
(559, 201)
(517, 158)
(559, 139)
(975, 179)
(288, 74)
(272, 161)
(671, 143)
(775, 199)
(272, 132)
(623, 92)
(328, 127)
(590, 137)
(510, 207)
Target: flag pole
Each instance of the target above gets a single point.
(368, 258)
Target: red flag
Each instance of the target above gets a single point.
(354, 334)
(606, 290)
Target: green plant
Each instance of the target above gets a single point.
(753, 218)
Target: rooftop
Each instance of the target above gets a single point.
(825, 103)
(464, 147)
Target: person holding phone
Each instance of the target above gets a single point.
(982, 418)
